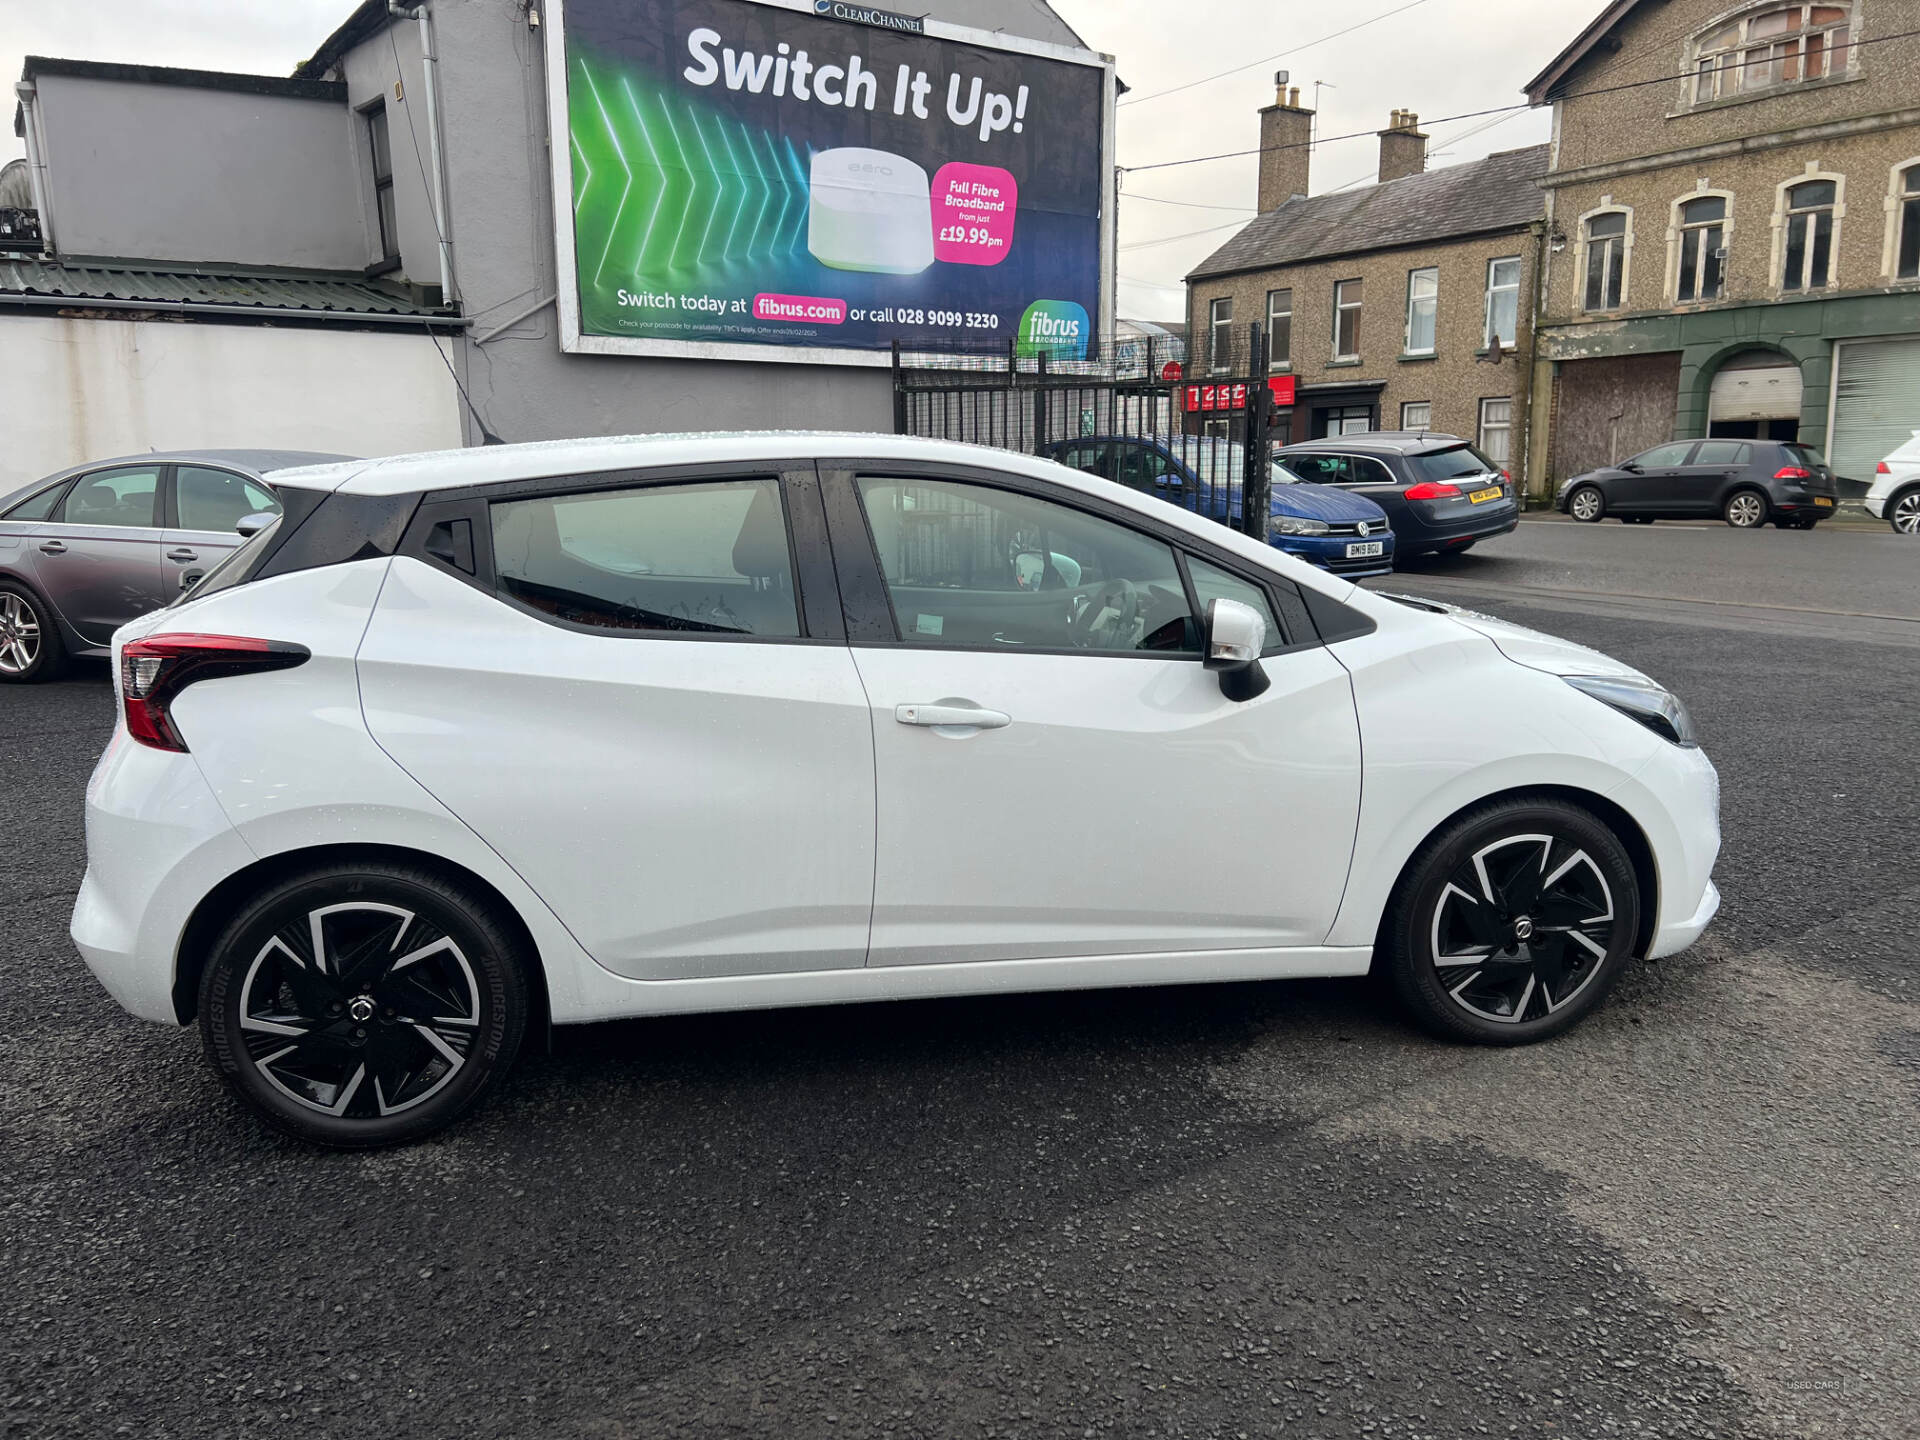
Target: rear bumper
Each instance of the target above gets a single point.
(1876, 505)
(1432, 539)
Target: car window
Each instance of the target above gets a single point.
(708, 558)
(36, 507)
(1720, 452)
(1141, 467)
(1801, 455)
(207, 499)
(1321, 469)
(1087, 457)
(1662, 455)
(1369, 471)
(1450, 464)
(123, 496)
(970, 565)
(1211, 583)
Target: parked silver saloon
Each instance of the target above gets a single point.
(84, 551)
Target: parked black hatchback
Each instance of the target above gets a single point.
(1743, 482)
(1439, 492)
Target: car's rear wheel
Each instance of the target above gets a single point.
(30, 646)
(1512, 923)
(363, 1004)
(1903, 512)
(1745, 510)
(1587, 504)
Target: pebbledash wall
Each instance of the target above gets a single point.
(493, 125)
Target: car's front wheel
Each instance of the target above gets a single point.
(29, 640)
(362, 1005)
(1512, 922)
(1587, 504)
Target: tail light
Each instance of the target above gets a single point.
(1431, 490)
(153, 671)
(1882, 469)
(1793, 472)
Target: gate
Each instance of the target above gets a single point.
(1207, 436)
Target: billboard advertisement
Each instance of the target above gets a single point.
(808, 179)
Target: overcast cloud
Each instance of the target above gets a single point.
(1438, 57)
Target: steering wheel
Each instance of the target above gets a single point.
(1105, 618)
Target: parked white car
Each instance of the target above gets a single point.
(496, 738)
(1895, 495)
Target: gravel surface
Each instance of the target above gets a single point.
(1246, 1210)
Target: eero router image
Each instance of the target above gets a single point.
(871, 211)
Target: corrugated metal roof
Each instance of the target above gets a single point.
(1497, 193)
(344, 295)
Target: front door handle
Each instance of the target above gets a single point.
(183, 555)
(949, 715)
(53, 547)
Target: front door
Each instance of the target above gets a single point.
(1058, 775)
(98, 558)
(1653, 488)
(204, 506)
(632, 702)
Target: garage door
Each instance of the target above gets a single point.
(1876, 405)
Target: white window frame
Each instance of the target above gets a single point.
(1676, 242)
(1895, 205)
(1519, 277)
(1276, 361)
(1733, 73)
(1431, 275)
(1505, 462)
(1777, 260)
(1605, 207)
(1340, 307)
(1407, 421)
(1219, 357)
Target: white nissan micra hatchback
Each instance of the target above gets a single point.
(471, 743)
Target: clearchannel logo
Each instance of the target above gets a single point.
(1056, 328)
(867, 15)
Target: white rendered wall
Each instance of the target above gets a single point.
(79, 390)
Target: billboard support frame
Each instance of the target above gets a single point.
(574, 341)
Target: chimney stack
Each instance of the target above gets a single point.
(1403, 149)
(1285, 130)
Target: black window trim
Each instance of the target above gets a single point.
(868, 604)
(808, 554)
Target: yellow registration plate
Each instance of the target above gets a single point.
(1821, 502)
(1491, 493)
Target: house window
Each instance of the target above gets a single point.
(1606, 259)
(381, 151)
(1907, 258)
(1280, 329)
(1503, 301)
(1779, 46)
(1416, 415)
(1219, 334)
(1702, 254)
(1496, 430)
(1346, 320)
(1809, 235)
(1423, 300)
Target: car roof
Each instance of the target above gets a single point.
(254, 461)
(1392, 442)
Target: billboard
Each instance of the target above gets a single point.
(814, 180)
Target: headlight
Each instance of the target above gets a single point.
(1657, 709)
(1294, 525)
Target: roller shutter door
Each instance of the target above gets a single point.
(1876, 405)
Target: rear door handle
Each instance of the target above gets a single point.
(183, 554)
(965, 716)
(53, 547)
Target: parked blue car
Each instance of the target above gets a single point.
(1338, 531)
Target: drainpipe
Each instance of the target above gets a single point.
(36, 164)
(429, 66)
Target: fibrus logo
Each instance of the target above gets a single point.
(1057, 328)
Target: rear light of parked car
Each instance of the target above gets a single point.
(1793, 472)
(1432, 490)
(155, 670)
(1881, 469)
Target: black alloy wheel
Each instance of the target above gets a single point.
(1512, 923)
(30, 646)
(363, 1005)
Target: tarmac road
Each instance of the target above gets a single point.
(1246, 1210)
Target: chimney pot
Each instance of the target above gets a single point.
(1403, 149)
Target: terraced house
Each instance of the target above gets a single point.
(1733, 231)
(1404, 304)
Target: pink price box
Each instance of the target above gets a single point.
(973, 209)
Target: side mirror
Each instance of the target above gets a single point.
(1630, 467)
(1235, 636)
(247, 526)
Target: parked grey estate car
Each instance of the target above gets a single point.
(85, 551)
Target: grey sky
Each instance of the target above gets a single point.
(1439, 57)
